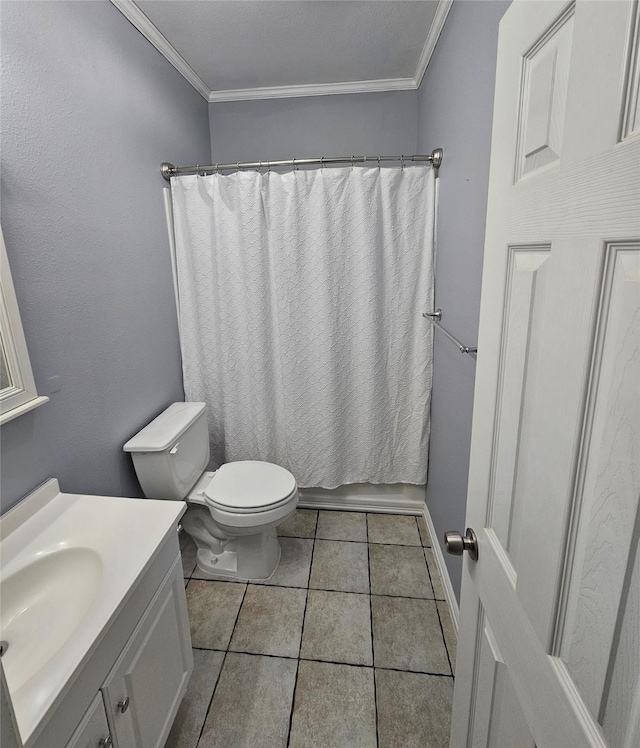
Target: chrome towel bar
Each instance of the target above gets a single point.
(434, 318)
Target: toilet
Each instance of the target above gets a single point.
(232, 512)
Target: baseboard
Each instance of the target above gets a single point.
(442, 568)
(399, 498)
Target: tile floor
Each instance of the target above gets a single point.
(349, 645)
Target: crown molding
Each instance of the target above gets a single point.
(133, 14)
(442, 11)
(313, 89)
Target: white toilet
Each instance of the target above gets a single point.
(233, 512)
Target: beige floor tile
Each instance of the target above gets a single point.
(395, 529)
(399, 570)
(193, 709)
(334, 707)
(414, 710)
(270, 621)
(425, 537)
(213, 608)
(252, 703)
(407, 635)
(436, 579)
(301, 524)
(188, 552)
(295, 561)
(337, 628)
(342, 526)
(450, 637)
(341, 566)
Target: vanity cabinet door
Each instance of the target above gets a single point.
(93, 731)
(147, 683)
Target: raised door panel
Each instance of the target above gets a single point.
(153, 671)
(497, 716)
(93, 731)
(599, 630)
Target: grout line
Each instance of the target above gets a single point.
(373, 655)
(446, 646)
(324, 589)
(370, 542)
(304, 616)
(213, 693)
(330, 662)
(444, 639)
(235, 623)
(224, 660)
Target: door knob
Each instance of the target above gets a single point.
(123, 705)
(457, 545)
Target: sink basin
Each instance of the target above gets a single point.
(42, 605)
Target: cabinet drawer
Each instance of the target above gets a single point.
(93, 730)
(143, 690)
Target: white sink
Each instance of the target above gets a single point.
(57, 590)
(69, 563)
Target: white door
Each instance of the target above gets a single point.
(549, 640)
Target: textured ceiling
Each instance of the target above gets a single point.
(246, 44)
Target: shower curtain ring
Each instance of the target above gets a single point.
(217, 169)
(352, 164)
(322, 162)
(198, 169)
(378, 162)
(402, 163)
(295, 168)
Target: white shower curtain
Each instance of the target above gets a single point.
(300, 316)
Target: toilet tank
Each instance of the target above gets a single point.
(172, 452)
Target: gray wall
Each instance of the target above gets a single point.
(342, 125)
(89, 110)
(455, 109)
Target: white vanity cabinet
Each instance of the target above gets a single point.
(143, 691)
(141, 694)
(112, 612)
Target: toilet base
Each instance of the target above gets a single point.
(221, 556)
(241, 560)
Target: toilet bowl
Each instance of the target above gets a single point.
(232, 512)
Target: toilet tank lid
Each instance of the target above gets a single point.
(163, 431)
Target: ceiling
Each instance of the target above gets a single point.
(254, 49)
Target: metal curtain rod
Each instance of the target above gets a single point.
(169, 170)
(434, 318)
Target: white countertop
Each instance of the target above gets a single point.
(68, 564)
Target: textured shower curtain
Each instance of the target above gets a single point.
(300, 301)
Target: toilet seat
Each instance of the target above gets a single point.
(250, 487)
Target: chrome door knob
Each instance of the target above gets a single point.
(457, 545)
(123, 705)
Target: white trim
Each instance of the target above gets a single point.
(20, 410)
(133, 13)
(365, 497)
(442, 11)
(21, 395)
(442, 568)
(314, 89)
(136, 16)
